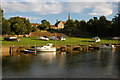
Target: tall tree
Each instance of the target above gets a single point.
(116, 25)
(1, 17)
(27, 25)
(83, 25)
(20, 25)
(70, 27)
(90, 27)
(95, 26)
(78, 26)
(5, 26)
(104, 26)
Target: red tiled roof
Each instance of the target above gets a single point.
(53, 26)
(35, 24)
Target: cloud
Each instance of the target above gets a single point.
(31, 18)
(35, 7)
(60, 0)
(14, 6)
(78, 7)
(45, 8)
(102, 9)
(28, 0)
(89, 0)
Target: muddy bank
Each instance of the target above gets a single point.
(12, 50)
(82, 48)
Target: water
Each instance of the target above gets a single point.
(96, 64)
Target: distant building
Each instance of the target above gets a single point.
(69, 16)
(35, 24)
(60, 24)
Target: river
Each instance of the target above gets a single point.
(95, 64)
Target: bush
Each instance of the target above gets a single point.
(12, 33)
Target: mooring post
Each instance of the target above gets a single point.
(10, 51)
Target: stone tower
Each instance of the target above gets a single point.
(69, 16)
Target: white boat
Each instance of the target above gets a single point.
(11, 39)
(96, 39)
(44, 38)
(107, 46)
(47, 47)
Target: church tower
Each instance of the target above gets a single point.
(69, 16)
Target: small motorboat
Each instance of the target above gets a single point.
(29, 51)
(11, 39)
(47, 47)
(107, 46)
(96, 39)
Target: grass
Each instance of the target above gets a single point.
(32, 41)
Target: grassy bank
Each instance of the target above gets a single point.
(32, 41)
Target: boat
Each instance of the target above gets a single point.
(47, 47)
(45, 38)
(11, 39)
(96, 39)
(58, 38)
(29, 51)
(107, 46)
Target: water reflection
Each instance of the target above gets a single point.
(95, 64)
(46, 56)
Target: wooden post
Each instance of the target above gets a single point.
(10, 51)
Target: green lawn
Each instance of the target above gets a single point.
(32, 41)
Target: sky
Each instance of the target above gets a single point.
(36, 10)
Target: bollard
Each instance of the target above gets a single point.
(10, 51)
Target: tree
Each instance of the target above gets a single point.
(99, 27)
(83, 25)
(78, 26)
(45, 25)
(1, 17)
(20, 25)
(34, 29)
(17, 29)
(5, 26)
(90, 27)
(27, 25)
(70, 27)
(104, 26)
(116, 25)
